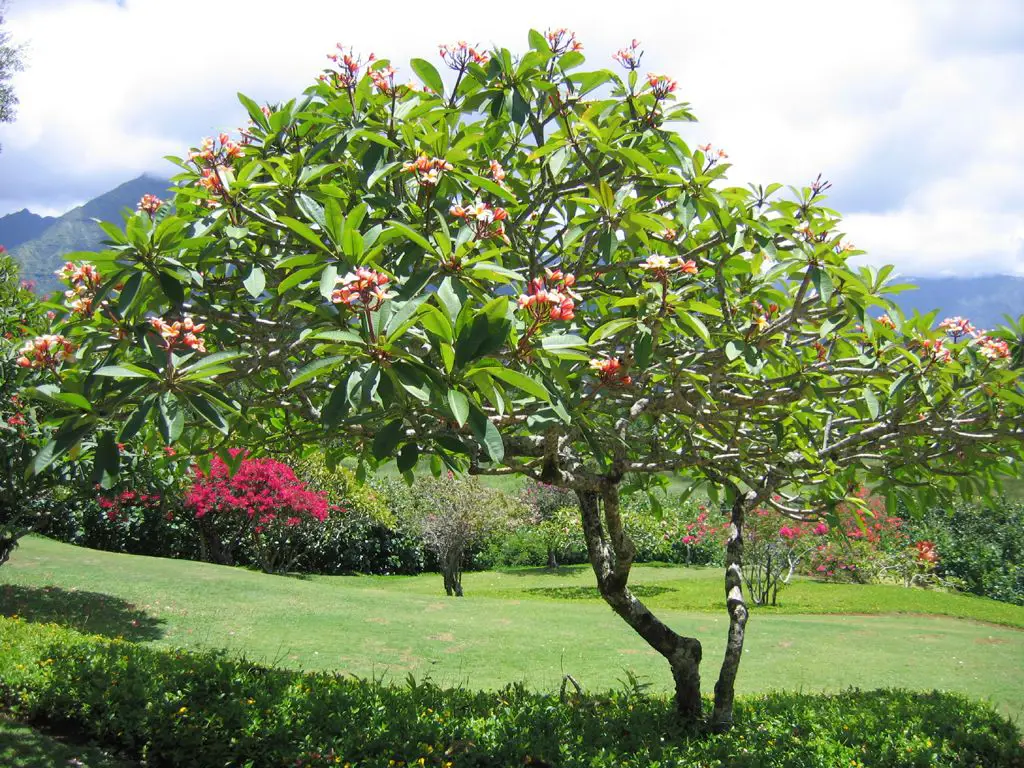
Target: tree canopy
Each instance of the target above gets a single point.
(520, 267)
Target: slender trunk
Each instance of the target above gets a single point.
(552, 558)
(611, 555)
(725, 688)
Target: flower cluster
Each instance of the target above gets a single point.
(888, 322)
(661, 85)
(150, 204)
(957, 327)
(926, 552)
(936, 349)
(611, 371)
(384, 80)
(428, 169)
(659, 266)
(46, 351)
(125, 502)
(713, 155)
(213, 159)
(497, 172)
(550, 297)
(458, 55)
(364, 286)
(184, 333)
(562, 40)
(993, 349)
(483, 219)
(629, 57)
(84, 280)
(348, 67)
(261, 489)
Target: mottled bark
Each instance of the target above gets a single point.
(725, 688)
(611, 555)
(451, 569)
(552, 558)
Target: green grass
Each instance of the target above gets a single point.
(525, 625)
(23, 747)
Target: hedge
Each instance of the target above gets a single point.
(177, 708)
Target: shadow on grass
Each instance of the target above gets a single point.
(591, 593)
(562, 570)
(25, 747)
(90, 612)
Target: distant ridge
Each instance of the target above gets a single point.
(40, 255)
(983, 300)
(40, 243)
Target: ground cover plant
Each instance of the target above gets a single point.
(207, 709)
(347, 268)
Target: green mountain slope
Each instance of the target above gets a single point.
(20, 227)
(76, 230)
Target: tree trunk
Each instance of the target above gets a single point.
(451, 569)
(611, 554)
(725, 688)
(552, 558)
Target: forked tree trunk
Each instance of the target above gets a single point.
(611, 554)
(451, 568)
(725, 688)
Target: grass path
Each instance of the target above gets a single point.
(524, 626)
(24, 747)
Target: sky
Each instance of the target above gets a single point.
(913, 109)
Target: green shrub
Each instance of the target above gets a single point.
(980, 547)
(207, 709)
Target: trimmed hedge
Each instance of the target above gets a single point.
(207, 709)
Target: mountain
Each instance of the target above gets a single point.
(983, 300)
(76, 230)
(20, 227)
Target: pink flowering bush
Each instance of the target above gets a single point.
(257, 508)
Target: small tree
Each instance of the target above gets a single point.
(10, 62)
(452, 514)
(260, 504)
(547, 504)
(523, 270)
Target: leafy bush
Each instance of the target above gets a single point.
(254, 511)
(207, 709)
(979, 547)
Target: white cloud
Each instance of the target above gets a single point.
(914, 110)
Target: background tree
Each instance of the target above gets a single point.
(524, 270)
(452, 514)
(10, 62)
(547, 505)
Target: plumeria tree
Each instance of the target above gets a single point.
(521, 268)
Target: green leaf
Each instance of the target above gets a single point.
(697, 325)
(126, 371)
(328, 280)
(413, 235)
(484, 430)
(561, 341)
(387, 439)
(255, 282)
(459, 404)
(129, 292)
(136, 420)
(611, 328)
(337, 405)
(734, 349)
(72, 399)
(822, 282)
(871, 401)
(428, 74)
(303, 231)
(207, 410)
(323, 365)
(106, 460)
(171, 418)
(518, 380)
(408, 457)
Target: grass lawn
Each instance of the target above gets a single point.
(23, 747)
(526, 625)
